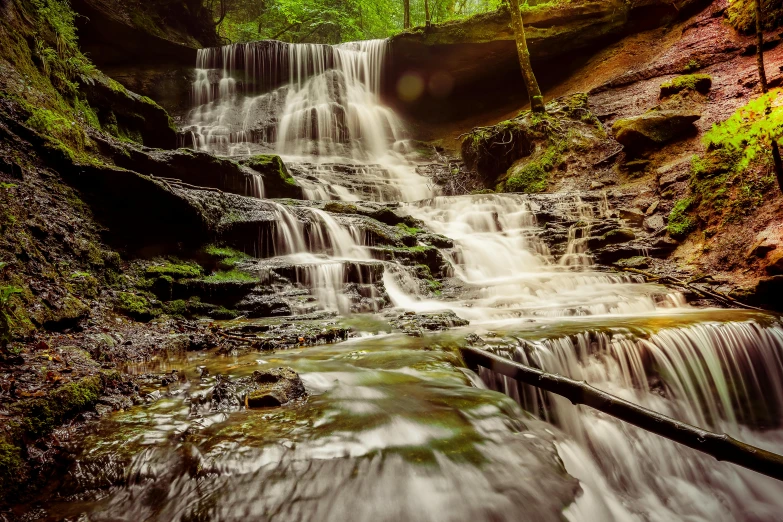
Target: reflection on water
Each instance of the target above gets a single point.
(391, 431)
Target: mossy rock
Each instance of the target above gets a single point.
(278, 182)
(654, 129)
(135, 306)
(701, 83)
(174, 270)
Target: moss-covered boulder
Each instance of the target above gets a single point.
(701, 83)
(654, 129)
(128, 116)
(278, 182)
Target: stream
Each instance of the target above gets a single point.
(394, 428)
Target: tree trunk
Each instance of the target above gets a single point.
(406, 23)
(776, 160)
(427, 21)
(533, 91)
(722, 447)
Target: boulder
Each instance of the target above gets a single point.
(654, 129)
(775, 263)
(274, 387)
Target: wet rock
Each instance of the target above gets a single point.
(274, 387)
(256, 305)
(638, 262)
(225, 395)
(413, 324)
(278, 182)
(654, 129)
(196, 168)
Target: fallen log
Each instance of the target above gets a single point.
(721, 446)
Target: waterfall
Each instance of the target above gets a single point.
(722, 376)
(307, 102)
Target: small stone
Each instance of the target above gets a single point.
(595, 185)
(654, 223)
(652, 208)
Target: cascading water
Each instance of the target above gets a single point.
(318, 106)
(396, 401)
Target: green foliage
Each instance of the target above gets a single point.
(692, 65)
(334, 21)
(742, 15)
(751, 129)
(90, 117)
(680, 222)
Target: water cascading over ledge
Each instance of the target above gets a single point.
(295, 99)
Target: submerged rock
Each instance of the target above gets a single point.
(274, 387)
(413, 324)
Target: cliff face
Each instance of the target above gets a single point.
(689, 180)
(150, 47)
(478, 55)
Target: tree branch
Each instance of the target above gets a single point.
(721, 446)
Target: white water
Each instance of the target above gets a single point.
(314, 103)
(320, 108)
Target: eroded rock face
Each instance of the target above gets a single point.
(654, 129)
(478, 55)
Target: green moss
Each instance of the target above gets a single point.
(742, 16)
(694, 82)
(89, 115)
(178, 307)
(408, 230)
(680, 222)
(61, 129)
(228, 276)
(12, 468)
(266, 163)
(534, 176)
(174, 270)
(40, 416)
(227, 257)
(482, 191)
(135, 306)
(339, 207)
(692, 65)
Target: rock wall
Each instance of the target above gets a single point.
(470, 66)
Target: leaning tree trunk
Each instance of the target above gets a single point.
(536, 98)
(776, 160)
(406, 22)
(720, 446)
